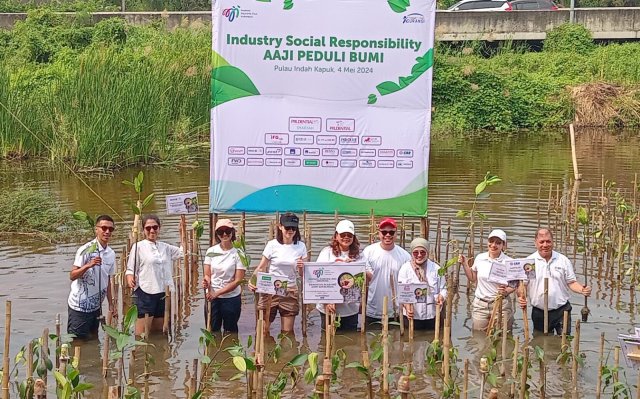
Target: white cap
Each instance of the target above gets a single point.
(345, 226)
(498, 233)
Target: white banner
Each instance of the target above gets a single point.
(328, 282)
(321, 105)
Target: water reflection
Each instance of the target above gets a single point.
(34, 274)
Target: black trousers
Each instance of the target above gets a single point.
(83, 325)
(556, 317)
(225, 313)
(347, 323)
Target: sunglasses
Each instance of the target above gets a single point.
(419, 253)
(106, 228)
(224, 231)
(290, 228)
(387, 232)
(154, 227)
(345, 235)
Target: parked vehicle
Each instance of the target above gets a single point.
(481, 5)
(533, 5)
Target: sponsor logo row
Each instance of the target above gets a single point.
(325, 152)
(325, 163)
(283, 139)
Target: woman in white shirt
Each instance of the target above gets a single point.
(344, 247)
(283, 257)
(420, 270)
(486, 291)
(223, 274)
(149, 272)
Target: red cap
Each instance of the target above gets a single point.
(387, 222)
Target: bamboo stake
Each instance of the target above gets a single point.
(437, 329)
(29, 364)
(58, 340)
(194, 378)
(600, 364)
(505, 333)
(44, 352)
(64, 359)
(514, 367)
(465, 383)
(167, 311)
(616, 363)
(543, 379)
(525, 369)
(424, 230)
(40, 389)
(372, 226)
(576, 353)
(105, 352)
(7, 341)
(411, 324)
(447, 337)
(546, 306)
(484, 370)
(385, 346)
(396, 312)
(565, 324)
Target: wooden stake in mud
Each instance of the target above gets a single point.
(465, 383)
(600, 364)
(64, 359)
(385, 346)
(167, 311)
(446, 338)
(576, 353)
(5, 360)
(525, 370)
(546, 306)
(505, 333)
(105, 352)
(565, 325)
(44, 353)
(411, 323)
(396, 312)
(514, 367)
(40, 389)
(193, 382)
(58, 340)
(436, 337)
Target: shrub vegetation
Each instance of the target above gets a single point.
(111, 94)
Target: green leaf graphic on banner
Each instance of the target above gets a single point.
(217, 61)
(372, 99)
(265, 1)
(421, 66)
(399, 5)
(288, 4)
(230, 83)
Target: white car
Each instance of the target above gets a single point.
(481, 5)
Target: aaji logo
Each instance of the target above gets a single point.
(317, 272)
(414, 18)
(231, 13)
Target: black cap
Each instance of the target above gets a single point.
(289, 220)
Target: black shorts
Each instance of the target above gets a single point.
(83, 325)
(151, 304)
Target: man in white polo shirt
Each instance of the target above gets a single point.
(384, 259)
(562, 278)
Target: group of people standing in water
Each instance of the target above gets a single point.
(149, 271)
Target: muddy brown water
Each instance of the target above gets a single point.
(34, 274)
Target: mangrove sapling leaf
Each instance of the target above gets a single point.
(91, 248)
(84, 217)
(237, 376)
(359, 367)
(240, 363)
(137, 182)
(582, 216)
(298, 360)
(148, 200)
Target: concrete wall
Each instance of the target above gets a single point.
(605, 23)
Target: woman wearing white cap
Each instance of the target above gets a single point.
(223, 274)
(486, 291)
(344, 247)
(420, 270)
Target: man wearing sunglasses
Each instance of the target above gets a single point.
(384, 259)
(94, 263)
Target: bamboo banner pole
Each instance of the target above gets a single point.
(546, 306)
(385, 346)
(525, 317)
(600, 364)
(7, 341)
(514, 367)
(372, 226)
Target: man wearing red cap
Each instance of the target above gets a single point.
(384, 259)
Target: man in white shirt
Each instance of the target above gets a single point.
(562, 278)
(94, 263)
(384, 259)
